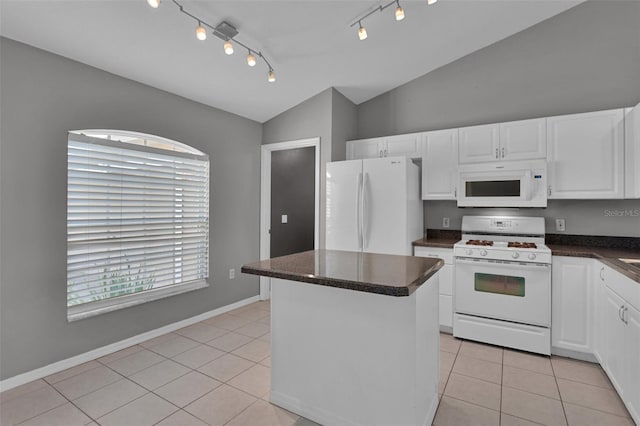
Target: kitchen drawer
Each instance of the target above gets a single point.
(442, 253)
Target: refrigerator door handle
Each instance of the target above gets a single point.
(359, 210)
(364, 210)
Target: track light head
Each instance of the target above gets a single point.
(228, 47)
(271, 77)
(154, 3)
(430, 2)
(399, 13)
(362, 32)
(201, 32)
(251, 60)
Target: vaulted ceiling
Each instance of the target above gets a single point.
(309, 43)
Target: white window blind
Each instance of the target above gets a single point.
(137, 223)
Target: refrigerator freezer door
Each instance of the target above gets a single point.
(344, 186)
(385, 219)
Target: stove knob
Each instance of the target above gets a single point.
(532, 256)
(483, 252)
(515, 255)
(469, 252)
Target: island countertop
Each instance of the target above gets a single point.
(385, 274)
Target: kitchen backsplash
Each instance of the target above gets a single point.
(582, 217)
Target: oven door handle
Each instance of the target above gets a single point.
(520, 265)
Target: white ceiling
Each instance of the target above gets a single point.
(308, 42)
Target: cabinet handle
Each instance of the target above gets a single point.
(380, 154)
(386, 152)
(621, 313)
(549, 190)
(497, 153)
(455, 192)
(602, 274)
(625, 315)
(502, 152)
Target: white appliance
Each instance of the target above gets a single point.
(503, 184)
(373, 205)
(502, 291)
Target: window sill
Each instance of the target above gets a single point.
(75, 313)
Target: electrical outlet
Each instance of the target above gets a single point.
(232, 273)
(284, 218)
(560, 226)
(445, 222)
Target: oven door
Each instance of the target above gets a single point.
(510, 291)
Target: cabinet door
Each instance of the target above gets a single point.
(632, 352)
(440, 165)
(585, 155)
(479, 143)
(403, 146)
(614, 351)
(572, 304)
(523, 140)
(365, 148)
(632, 152)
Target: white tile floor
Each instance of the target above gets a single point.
(217, 372)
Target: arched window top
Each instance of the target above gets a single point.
(142, 139)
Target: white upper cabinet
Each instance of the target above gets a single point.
(404, 146)
(515, 140)
(440, 165)
(409, 145)
(586, 155)
(479, 143)
(632, 152)
(523, 140)
(365, 148)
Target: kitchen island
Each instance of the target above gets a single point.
(354, 336)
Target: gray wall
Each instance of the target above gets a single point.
(44, 96)
(328, 115)
(585, 59)
(344, 125)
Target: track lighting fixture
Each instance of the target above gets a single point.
(399, 14)
(251, 60)
(228, 48)
(224, 31)
(201, 33)
(362, 32)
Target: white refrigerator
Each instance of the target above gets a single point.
(373, 205)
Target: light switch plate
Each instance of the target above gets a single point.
(445, 222)
(560, 225)
(284, 218)
(232, 273)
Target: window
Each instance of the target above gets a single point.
(137, 220)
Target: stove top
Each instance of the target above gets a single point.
(513, 239)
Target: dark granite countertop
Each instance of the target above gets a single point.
(372, 273)
(435, 242)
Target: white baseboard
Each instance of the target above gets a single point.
(568, 353)
(56, 367)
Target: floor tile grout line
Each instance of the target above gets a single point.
(50, 409)
(564, 411)
(532, 392)
(501, 388)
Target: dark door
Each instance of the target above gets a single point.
(293, 186)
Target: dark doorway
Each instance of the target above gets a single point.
(293, 187)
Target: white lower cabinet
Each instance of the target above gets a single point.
(446, 281)
(572, 307)
(621, 328)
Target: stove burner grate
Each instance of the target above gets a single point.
(518, 244)
(480, 242)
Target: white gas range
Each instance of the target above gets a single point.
(503, 283)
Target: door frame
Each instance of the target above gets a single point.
(265, 200)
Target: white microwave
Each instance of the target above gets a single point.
(503, 184)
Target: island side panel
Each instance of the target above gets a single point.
(353, 358)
